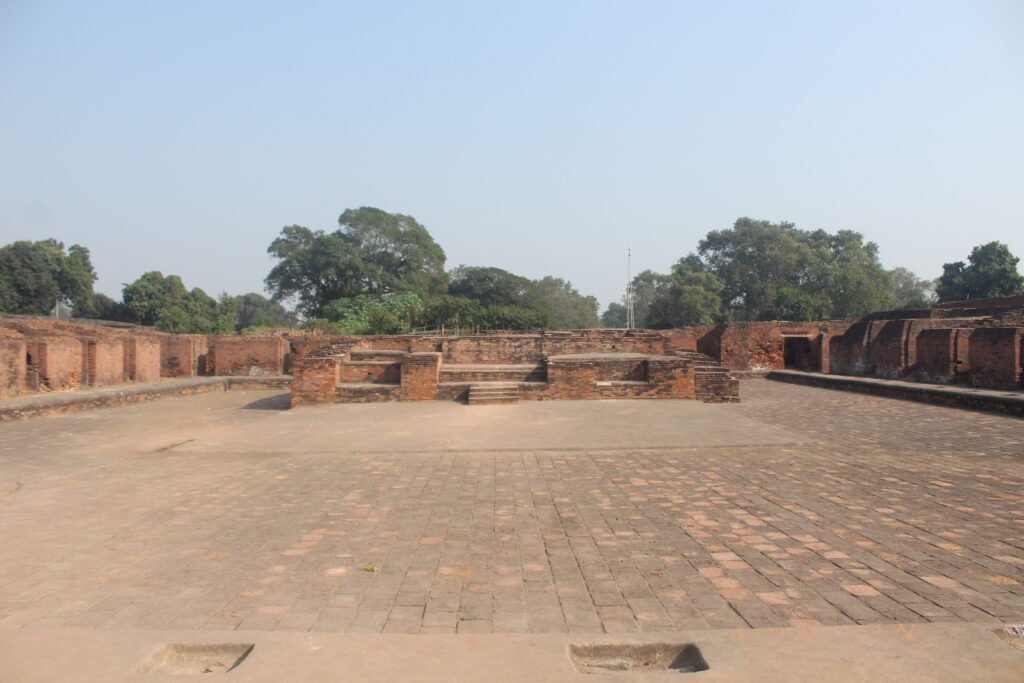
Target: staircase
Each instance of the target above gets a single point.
(493, 393)
(714, 383)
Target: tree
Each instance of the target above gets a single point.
(373, 253)
(692, 296)
(35, 275)
(854, 283)
(772, 271)
(452, 312)
(166, 304)
(647, 286)
(370, 314)
(255, 310)
(908, 291)
(105, 308)
(991, 271)
(494, 288)
(614, 315)
(570, 309)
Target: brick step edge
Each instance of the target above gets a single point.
(992, 401)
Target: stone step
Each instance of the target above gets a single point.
(492, 372)
(493, 393)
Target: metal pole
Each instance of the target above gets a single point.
(630, 322)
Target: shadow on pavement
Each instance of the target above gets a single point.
(275, 402)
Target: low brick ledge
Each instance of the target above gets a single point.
(58, 403)
(989, 400)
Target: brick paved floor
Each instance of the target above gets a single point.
(823, 507)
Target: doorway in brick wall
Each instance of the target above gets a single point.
(798, 354)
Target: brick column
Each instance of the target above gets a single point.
(313, 381)
(419, 376)
(671, 378)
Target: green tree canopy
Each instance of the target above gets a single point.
(775, 271)
(373, 253)
(372, 314)
(493, 287)
(569, 308)
(990, 271)
(165, 303)
(255, 310)
(35, 275)
(690, 296)
(909, 291)
(614, 315)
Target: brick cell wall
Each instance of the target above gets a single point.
(177, 356)
(144, 358)
(106, 361)
(936, 356)
(61, 362)
(247, 355)
(12, 367)
(995, 358)
(888, 348)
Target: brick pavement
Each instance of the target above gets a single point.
(876, 511)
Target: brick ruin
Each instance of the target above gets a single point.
(978, 343)
(503, 368)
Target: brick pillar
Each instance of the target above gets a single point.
(572, 378)
(823, 351)
(420, 372)
(995, 357)
(313, 381)
(672, 378)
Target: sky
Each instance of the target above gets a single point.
(545, 138)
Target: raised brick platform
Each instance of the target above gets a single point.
(506, 369)
(989, 400)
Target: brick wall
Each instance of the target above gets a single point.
(61, 362)
(994, 355)
(247, 355)
(105, 358)
(371, 371)
(419, 375)
(12, 365)
(314, 381)
(936, 356)
(183, 355)
(761, 345)
(142, 358)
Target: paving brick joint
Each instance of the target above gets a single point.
(854, 510)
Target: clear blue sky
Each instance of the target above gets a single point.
(540, 137)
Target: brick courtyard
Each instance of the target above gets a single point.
(797, 506)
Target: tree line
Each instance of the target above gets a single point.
(383, 273)
(758, 270)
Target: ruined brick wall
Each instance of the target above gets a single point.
(247, 355)
(761, 345)
(936, 356)
(12, 364)
(314, 381)
(889, 348)
(370, 371)
(995, 357)
(104, 361)
(60, 362)
(508, 348)
(142, 358)
(183, 355)
(419, 375)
